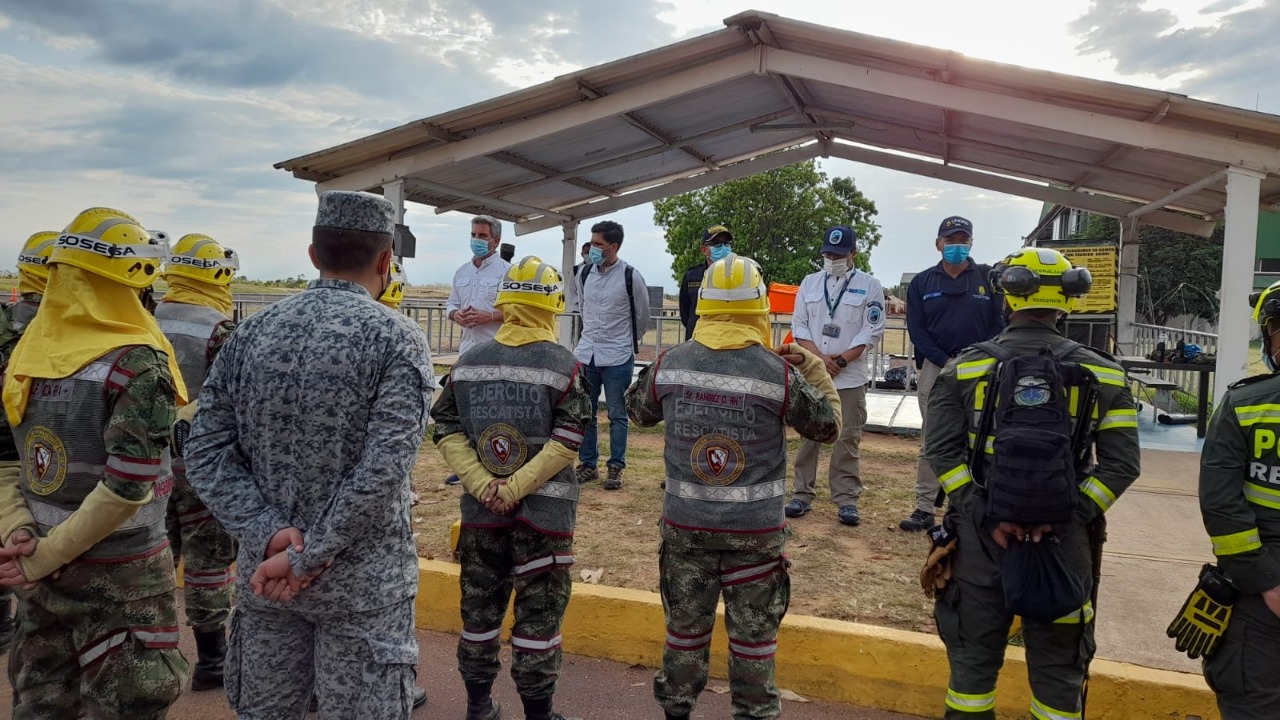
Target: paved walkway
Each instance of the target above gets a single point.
(1155, 547)
(589, 689)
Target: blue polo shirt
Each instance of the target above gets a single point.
(946, 315)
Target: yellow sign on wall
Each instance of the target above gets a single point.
(1101, 261)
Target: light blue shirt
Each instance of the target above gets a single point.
(606, 314)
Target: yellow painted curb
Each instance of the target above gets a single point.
(863, 665)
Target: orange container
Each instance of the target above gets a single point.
(782, 298)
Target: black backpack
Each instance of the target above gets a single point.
(1031, 477)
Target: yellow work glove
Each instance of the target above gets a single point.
(936, 572)
(551, 459)
(466, 464)
(1204, 616)
(101, 513)
(13, 509)
(815, 372)
(181, 429)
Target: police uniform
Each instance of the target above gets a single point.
(311, 417)
(1240, 504)
(944, 316)
(98, 635)
(971, 614)
(837, 313)
(726, 402)
(193, 316)
(689, 286)
(521, 405)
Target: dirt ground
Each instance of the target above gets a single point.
(866, 574)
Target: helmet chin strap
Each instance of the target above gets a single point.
(1268, 352)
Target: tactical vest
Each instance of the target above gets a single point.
(725, 453)
(506, 402)
(22, 313)
(63, 459)
(189, 329)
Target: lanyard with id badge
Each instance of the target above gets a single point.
(831, 329)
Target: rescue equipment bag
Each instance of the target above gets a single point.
(1029, 476)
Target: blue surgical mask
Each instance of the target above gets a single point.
(595, 256)
(955, 254)
(720, 252)
(479, 248)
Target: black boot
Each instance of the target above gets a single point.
(211, 652)
(6, 625)
(480, 703)
(540, 709)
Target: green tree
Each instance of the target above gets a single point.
(777, 218)
(1178, 273)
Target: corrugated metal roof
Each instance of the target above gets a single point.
(525, 155)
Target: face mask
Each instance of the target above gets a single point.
(720, 252)
(836, 267)
(479, 248)
(955, 254)
(595, 256)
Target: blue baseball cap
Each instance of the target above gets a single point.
(955, 224)
(839, 240)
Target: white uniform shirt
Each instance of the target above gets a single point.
(477, 287)
(859, 315)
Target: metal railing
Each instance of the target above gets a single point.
(445, 336)
(1147, 337)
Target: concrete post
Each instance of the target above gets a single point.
(1239, 249)
(394, 193)
(568, 254)
(1127, 290)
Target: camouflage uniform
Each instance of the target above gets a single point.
(102, 638)
(207, 551)
(10, 331)
(311, 417)
(723, 527)
(530, 551)
(971, 614)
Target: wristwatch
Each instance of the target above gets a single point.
(841, 362)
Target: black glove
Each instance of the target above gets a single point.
(1204, 616)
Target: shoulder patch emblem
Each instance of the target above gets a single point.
(875, 313)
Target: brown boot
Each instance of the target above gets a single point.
(614, 481)
(587, 473)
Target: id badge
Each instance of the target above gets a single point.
(831, 330)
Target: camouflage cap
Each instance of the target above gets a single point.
(356, 211)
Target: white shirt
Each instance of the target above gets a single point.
(607, 314)
(859, 315)
(477, 287)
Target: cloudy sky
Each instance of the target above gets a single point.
(175, 110)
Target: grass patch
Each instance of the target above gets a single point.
(865, 574)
